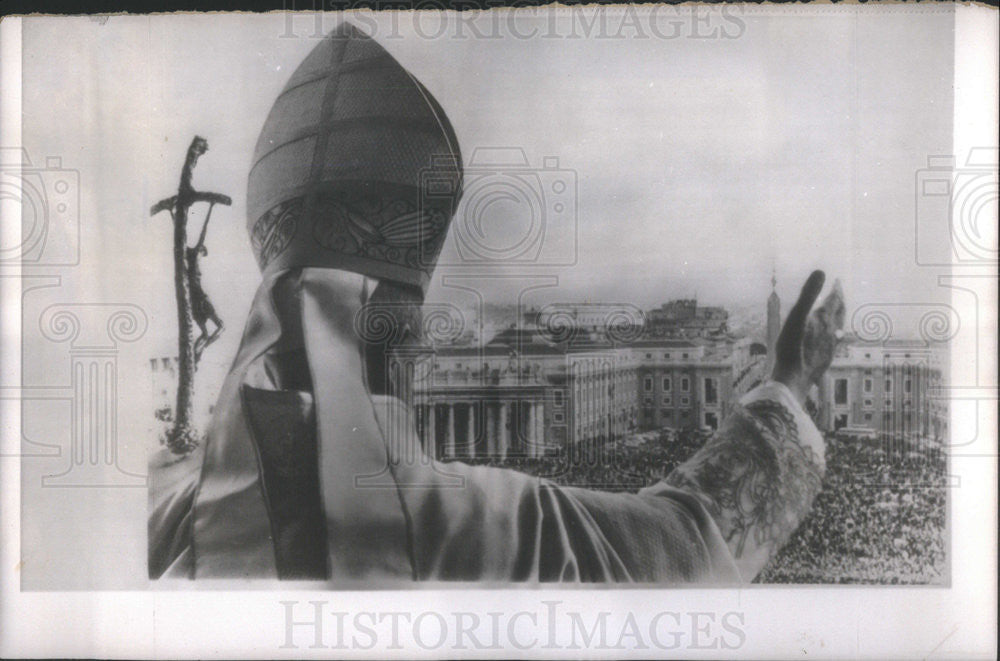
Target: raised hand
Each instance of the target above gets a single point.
(807, 341)
(758, 476)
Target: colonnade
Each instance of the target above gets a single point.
(484, 427)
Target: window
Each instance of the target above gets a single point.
(888, 403)
(868, 355)
(666, 384)
(152, 364)
(907, 385)
(711, 392)
(868, 385)
(648, 401)
(668, 400)
(840, 421)
(840, 392)
(868, 417)
(888, 385)
(667, 356)
(685, 384)
(684, 356)
(665, 413)
(869, 403)
(558, 397)
(685, 401)
(649, 355)
(712, 420)
(648, 384)
(558, 417)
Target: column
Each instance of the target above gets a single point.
(529, 433)
(491, 436)
(504, 429)
(430, 438)
(539, 429)
(450, 438)
(471, 437)
(524, 427)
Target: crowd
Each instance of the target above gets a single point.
(880, 517)
(615, 467)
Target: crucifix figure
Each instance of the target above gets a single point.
(202, 309)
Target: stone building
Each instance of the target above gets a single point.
(505, 397)
(525, 394)
(685, 318)
(686, 384)
(893, 387)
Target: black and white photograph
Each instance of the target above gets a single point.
(618, 330)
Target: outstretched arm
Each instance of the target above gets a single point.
(753, 482)
(758, 476)
(204, 228)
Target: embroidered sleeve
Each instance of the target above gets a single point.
(758, 476)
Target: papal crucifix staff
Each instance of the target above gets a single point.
(182, 437)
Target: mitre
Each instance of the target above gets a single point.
(357, 167)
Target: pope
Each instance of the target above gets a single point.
(312, 468)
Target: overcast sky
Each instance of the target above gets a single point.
(700, 162)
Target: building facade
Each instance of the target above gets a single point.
(521, 395)
(686, 385)
(525, 394)
(504, 398)
(534, 389)
(685, 318)
(893, 388)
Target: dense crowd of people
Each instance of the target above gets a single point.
(615, 467)
(880, 517)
